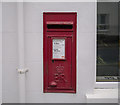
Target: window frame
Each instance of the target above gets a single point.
(104, 85)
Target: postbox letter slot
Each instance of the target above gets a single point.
(59, 26)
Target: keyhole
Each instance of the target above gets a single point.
(52, 61)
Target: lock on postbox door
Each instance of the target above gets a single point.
(59, 52)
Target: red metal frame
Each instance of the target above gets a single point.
(68, 17)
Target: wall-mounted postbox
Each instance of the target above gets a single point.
(59, 52)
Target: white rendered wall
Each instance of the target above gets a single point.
(9, 53)
(33, 24)
(0, 52)
(33, 13)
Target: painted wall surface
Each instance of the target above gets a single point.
(33, 23)
(0, 52)
(9, 53)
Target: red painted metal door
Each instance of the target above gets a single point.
(59, 52)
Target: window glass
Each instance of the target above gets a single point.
(107, 41)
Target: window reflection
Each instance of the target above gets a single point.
(107, 41)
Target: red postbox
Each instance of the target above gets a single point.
(59, 52)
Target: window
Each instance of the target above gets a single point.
(108, 41)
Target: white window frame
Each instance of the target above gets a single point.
(105, 85)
